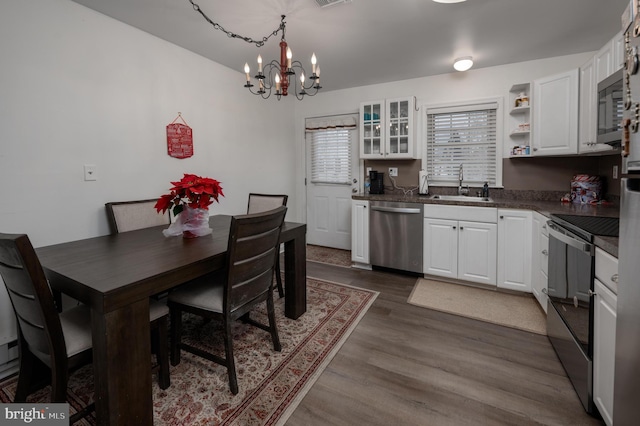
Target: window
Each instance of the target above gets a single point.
(331, 149)
(464, 135)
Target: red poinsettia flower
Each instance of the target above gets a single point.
(193, 191)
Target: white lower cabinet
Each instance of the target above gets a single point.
(604, 333)
(540, 259)
(514, 249)
(360, 231)
(460, 249)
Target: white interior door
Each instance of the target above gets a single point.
(329, 204)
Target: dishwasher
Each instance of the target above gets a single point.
(395, 235)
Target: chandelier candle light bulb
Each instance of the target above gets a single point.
(289, 56)
(259, 64)
(246, 71)
(314, 61)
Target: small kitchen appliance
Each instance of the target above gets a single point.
(376, 180)
(423, 182)
(610, 104)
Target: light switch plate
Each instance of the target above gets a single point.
(393, 171)
(90, 172)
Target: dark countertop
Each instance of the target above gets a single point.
(547, 208)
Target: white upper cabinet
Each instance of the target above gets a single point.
(587, 120)
(401, 137)
(604, 62)
(555, 118)
(372, 130)
(387, 129)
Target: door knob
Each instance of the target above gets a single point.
(545, 252)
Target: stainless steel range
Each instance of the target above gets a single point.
(570, 291)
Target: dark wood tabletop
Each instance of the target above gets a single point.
(116, 274)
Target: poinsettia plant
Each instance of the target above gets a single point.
(193, 191)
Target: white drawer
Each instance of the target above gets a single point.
(607, 269)
(472, 214)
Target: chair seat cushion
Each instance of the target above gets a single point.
(157, 309)
(76, 327)
(202, 294)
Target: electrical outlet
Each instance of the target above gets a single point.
(393, 171)
(615, 172)
(90, 172)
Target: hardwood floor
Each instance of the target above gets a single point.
(406, 365)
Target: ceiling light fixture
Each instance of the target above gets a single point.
(463, 64)
(449, 1)
(276, 76)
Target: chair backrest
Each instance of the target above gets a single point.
(263, 202)
(252, 251)
(38, 320)
(131, 215)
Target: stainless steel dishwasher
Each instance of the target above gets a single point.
(395, 235)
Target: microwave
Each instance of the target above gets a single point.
(610, 109)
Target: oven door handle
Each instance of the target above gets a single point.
(556, 232)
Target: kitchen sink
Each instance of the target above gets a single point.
(464, 198)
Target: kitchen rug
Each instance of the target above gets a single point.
(271, 384)
(511, 310)
(329, 255)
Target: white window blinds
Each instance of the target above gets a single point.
(462, 135)
(331, 149)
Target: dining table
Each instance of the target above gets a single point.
(115, 275)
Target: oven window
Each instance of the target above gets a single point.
(570, 279)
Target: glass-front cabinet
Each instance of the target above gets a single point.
(387, 129)
(371, 130)
(400, 131)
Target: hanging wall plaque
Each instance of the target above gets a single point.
(179, 139)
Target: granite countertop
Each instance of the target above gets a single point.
(545, 207)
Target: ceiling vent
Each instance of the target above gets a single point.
(326, 3)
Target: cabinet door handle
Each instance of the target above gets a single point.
(545, 252)
(501, 217)
(614, 278)
(545, 291)
(591, 293)
(461, 228)
(535, 149)
(454, 227)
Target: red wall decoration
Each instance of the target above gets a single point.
(179, 139)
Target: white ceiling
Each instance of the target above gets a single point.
(375, 41)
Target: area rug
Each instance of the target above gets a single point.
(271, 383)
(329, 255)
(511, 310)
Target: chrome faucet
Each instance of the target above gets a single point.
(461, 190)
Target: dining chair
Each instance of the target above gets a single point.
(248, 281)
(127, 216)
(60, 341)
(261, 203)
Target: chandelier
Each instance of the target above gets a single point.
(276, 77)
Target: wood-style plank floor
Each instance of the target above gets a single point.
(406, 365)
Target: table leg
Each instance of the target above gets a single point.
(121, 365)
(295, 276)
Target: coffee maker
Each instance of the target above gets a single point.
(376, 181)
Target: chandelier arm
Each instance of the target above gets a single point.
(258, 43)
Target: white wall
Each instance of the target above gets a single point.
(77, 87)
(454, 87)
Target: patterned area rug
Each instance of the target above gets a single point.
(271, 383)
(329, 255)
